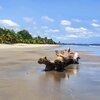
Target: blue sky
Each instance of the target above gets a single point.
(69, 21)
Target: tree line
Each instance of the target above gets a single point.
(10, 36)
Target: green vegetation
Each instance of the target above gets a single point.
(10, 36)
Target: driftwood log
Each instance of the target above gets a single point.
(49, 65)
(64, 58)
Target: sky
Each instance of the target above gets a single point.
(67, 21)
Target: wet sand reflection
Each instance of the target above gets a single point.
(69, 71)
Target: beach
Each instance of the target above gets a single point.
(22, 78)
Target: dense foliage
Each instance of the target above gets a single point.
(10, 36)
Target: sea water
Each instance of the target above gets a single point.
(83, 80)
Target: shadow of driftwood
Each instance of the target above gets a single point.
(70, 70)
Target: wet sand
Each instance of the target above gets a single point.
(22, 78)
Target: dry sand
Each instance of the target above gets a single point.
(22, 78)
(21, 45)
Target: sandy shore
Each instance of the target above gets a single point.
(22, 78)
(21, 45)
(20, 72)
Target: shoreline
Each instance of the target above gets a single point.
(21, 45)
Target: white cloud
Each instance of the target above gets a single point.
(94, 20)
(75, 33)
(29, 20)
(95, 25)
(44, 27)
(9, 23)
(48, 18)
(73, 36)
(66, 37)
(75, 30)
(51, 30)
(76, 20)
(65, 22)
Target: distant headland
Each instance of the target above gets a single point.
(81, 44)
